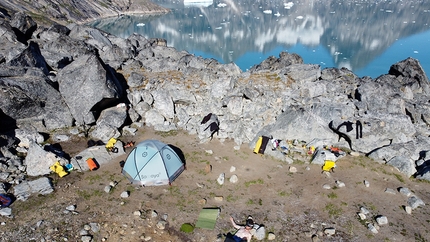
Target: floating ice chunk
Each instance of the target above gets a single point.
(221, 5)
(267, 11)
(218, 28)
(140, 24)
(388, 11)
(415, 52)
(277, 14)
(299, 17)
(288, 5)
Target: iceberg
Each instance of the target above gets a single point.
(267, 11)
(198, 3)
(288, 5)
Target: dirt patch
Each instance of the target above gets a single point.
(294, 206)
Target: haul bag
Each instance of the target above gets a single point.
(92, 164)
(261, 144)
(329, 165)
(258, 145)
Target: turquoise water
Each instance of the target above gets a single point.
(366, 37)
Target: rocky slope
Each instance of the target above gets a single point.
(66, 11)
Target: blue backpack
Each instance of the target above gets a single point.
(5, 200)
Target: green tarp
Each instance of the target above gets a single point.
(207, 218)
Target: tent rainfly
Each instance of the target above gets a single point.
(152, 163)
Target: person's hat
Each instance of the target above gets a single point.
(249, 223)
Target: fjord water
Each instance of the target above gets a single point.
(366, 37)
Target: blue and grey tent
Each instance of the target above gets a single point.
(152, 163)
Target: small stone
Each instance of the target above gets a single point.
(327, 186)
(71, 207)
(307, 168)
(39, 223)
(328, 174)
(232, 169)
(113, 183)
(137, 213)
(366, 183)
(219, 198)
(362, 216)
(329, 231)
(414, 202)
(340, 184)
(108, 188)
(210, 152)
(202, 201)
(95, 227)
(234, 179)
(208, 169)
(221, 178)
(87, 227)
(372, 228)
(390, 191)
(364, 210)
(405, 191)
(271, 236)
(408, 209)
(315, 238)
(381, 220)
(86, 238)
(161, 224)
(83, 232)
(293, 169)
(154, 214)
(125, 194)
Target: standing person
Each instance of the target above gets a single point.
(243, 233)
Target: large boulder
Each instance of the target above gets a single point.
(10, 46)
(24, 25)
(28, 95)
(38, 160)
(88, 86)
(412, 74)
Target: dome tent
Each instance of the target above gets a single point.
(152, 163)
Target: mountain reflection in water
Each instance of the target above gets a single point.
(367, 37)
